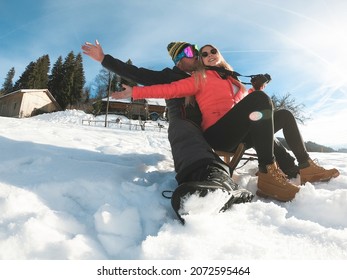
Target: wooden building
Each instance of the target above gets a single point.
(28, 102)
(134, 109)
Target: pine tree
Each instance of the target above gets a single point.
(68, 80)
(23, 81)
(7, 86)
(78, 80)
(55, 83)
(35, 75)
(38, 78)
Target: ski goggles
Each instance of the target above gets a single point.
(189, 51)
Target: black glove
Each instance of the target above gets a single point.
(259, 80)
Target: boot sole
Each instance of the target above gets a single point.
(238, 197)
(316, 178)
(268, 196)
(241, 196)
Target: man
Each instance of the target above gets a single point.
(198, 168)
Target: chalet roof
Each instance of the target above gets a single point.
(150, 101)
(127, 100)
(156, 101)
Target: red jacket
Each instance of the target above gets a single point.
(215, 96)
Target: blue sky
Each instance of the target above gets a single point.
(302, 44)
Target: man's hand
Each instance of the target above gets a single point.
(93, 51)
(126, 93)
(260, 81)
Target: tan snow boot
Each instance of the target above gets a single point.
(315, 173)
(274, 184)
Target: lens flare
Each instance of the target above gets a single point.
(255, 116)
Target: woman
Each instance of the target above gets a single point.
(283, 119)
(230, 114)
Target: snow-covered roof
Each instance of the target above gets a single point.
(127, 100)
(156, 101)
(150, 101)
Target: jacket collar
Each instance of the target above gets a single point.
(179, 71)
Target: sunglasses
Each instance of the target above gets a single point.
(190, 52)
(205, 54)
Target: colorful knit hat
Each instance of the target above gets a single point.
(174, 48)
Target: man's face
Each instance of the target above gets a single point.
(188, 58)
(188, 64)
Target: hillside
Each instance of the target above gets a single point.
(314, 147)
(73, 191)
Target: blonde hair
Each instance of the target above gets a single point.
(223, 62)
(200, 74)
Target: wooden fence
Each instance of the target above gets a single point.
(130, 126)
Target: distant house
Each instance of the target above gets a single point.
(142, 108)
(27, 102)
(156, 105)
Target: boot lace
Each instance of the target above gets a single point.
(279, 176)
(315, 164)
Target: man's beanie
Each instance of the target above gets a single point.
(174, 48)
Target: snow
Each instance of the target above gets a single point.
(73, 191)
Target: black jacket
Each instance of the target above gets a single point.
(143, 76)
(148, 77)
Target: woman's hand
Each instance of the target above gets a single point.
(126, 93)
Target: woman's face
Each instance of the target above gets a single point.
(210, 56)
